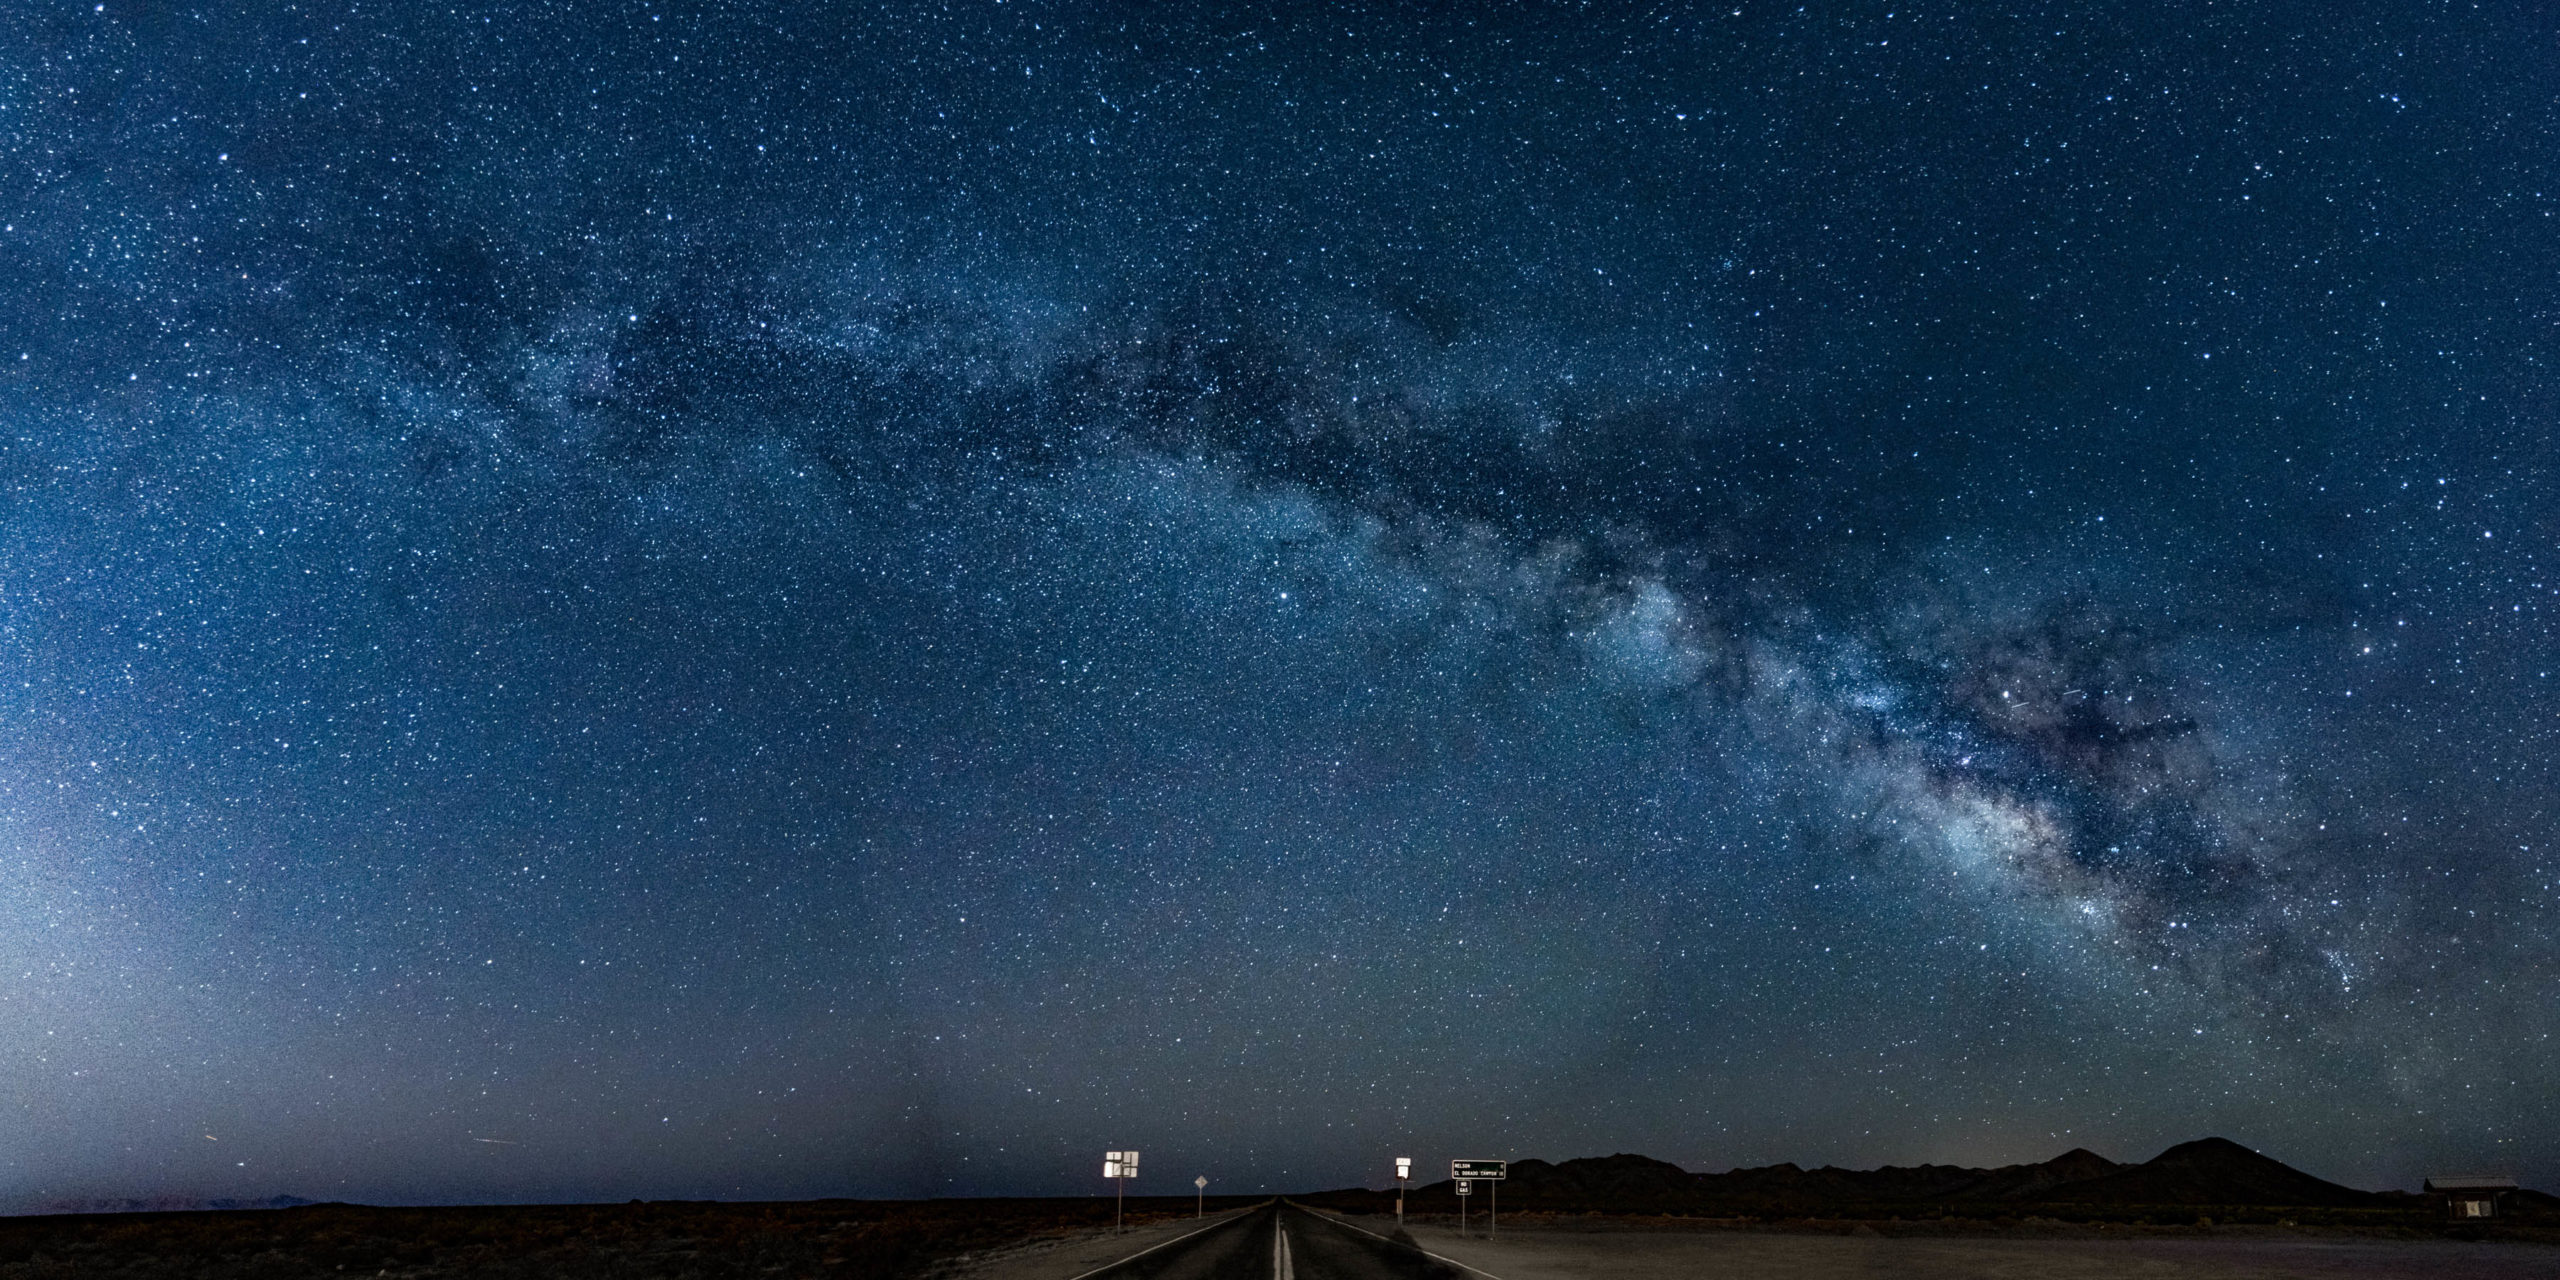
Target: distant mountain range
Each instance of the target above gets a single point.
(2206, 1172)
(165, 1204)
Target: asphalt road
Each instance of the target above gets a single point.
(1280, 1241)
(1283, 1242)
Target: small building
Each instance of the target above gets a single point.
(2470, 1197)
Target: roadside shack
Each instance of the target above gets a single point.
(2470, 1197)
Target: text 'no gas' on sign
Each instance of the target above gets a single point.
(1490, 1170)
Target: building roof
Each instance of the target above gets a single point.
(2470, 1182)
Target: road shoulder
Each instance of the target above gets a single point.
(1064, 1257)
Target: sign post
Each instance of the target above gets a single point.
(1492, 1171)
(1404, 1170)
(1465, 1189)
(1199, 1196)
(1119, 1166)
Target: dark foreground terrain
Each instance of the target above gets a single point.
(1589, 1249)
(851, 1238)
(1288, 1240)
(2205, 1208)
(1241, 1240)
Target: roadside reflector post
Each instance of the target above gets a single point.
(1200, 1196)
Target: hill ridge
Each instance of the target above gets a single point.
(2210, 1171)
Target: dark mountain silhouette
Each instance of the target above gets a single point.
(1787, 1183)
(1640, 1184)
(2036, 1181)
(1618, 1179)
(2208, 1172)
(2211, 1171)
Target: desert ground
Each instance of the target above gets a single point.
(1069, 1239)
(1293, 1242)
(655, 1240)
(1556, 1250)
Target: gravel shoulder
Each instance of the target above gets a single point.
(1537, 1251)
(1064, 1257)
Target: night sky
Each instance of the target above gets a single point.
(732, 600)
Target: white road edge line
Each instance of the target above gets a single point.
(1416, 1248)
(1160, 1244)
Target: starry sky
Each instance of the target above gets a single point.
(760, 600)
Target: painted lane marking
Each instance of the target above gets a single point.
(1415, 1247)
(1153, 1247)
(1280, 1268)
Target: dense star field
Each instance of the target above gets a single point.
(737, 600)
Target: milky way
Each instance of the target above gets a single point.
(725, 601)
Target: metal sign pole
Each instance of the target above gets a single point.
(1119, 1166)
(1464, 1172)
(1200, 1196)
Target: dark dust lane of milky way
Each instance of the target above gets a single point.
(764, 600)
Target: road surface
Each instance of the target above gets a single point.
(1283, 1242)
